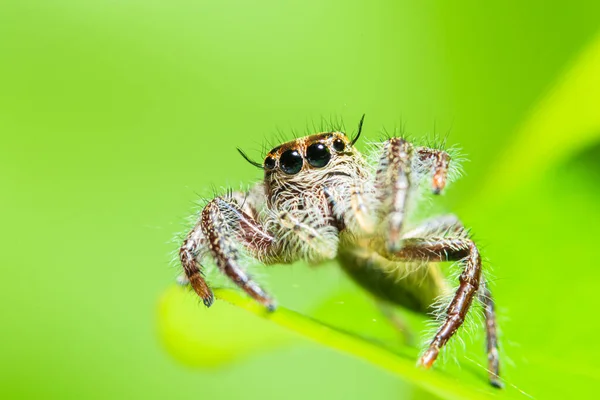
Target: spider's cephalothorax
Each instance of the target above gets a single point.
(321, 200)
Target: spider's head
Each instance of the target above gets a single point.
(314, 153)
(312, 161)
(307, 154)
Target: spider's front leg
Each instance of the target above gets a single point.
(188, 255)
(225, 224)
(392, 181)
(398, 164)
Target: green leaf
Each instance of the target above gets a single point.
(176, 299)
(200, 337)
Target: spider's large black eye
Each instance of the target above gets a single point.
(318, 155)
(269, 163)
(290, 162)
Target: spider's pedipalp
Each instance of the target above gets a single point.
(360, 209)
(352, 207)
(314, 239)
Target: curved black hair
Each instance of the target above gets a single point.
(256, 164)
(360, 124)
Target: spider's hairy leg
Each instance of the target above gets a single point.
(188, 253)
(491, 329)
(392, 181)
(225, 224)
(470, 280)
(442, 250)
(439, 161)
(435, 226)
(449, 225)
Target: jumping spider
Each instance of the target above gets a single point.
(321, 200)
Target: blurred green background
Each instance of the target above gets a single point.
(115, 116)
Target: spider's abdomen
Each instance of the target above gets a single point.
(413, 285)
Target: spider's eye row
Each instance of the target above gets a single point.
(338, 145)
(318, 155)
(291, 162)
(269, 163)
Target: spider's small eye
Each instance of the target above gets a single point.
(291, 162)
(338, 145)
(269, 163)
(318, 155)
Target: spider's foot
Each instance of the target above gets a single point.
(268, 303)
(493, 368)
(208, 299)
(271, 307)
(429, 357)
(495, 382)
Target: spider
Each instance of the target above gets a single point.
(320, 199)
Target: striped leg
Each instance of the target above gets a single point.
(241, 209)
(224, 225)
(491, 329)
(188, 254)
(392, 180)
(439, 226)
(449, 225)
(471, 283)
